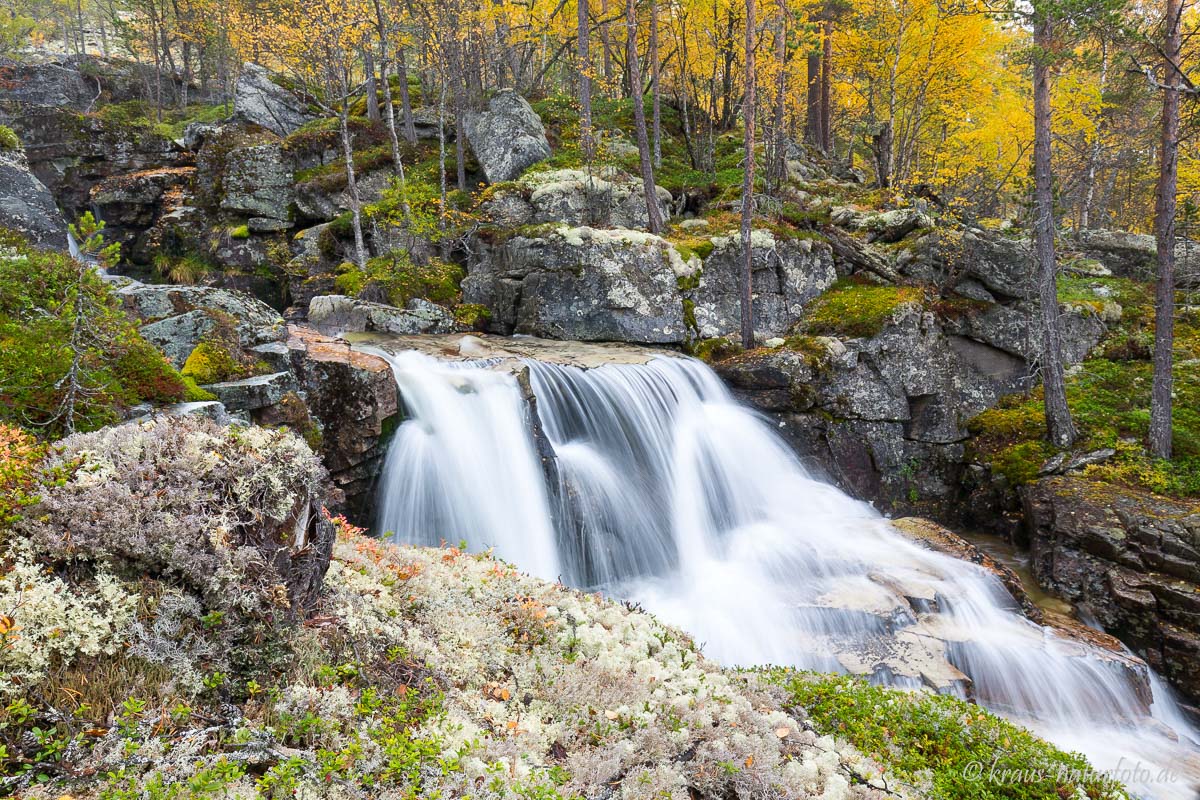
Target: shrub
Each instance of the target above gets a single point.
(20, 454)
(41, 297)
(225, 511)
(8, 139)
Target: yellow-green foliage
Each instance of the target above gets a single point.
(1109, 399)
(240, 232)
(858, 309)
(473, 315)
(210, 362)
(8, 139)
(402, 280)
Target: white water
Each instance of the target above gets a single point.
(666, 492)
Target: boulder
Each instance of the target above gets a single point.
(1130, 559)
(337, 314)
(1134, 255)
(259, 100)
(788, 274)
(581, 283)
(1002, 265)
(607, 198)
(26, 205)
(255, 322)
(254, 393)
(316, 202)
(507, 138)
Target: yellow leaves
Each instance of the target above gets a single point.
(7, 625)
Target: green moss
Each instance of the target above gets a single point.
(940, 744)
(473, 315)
(689, 315)
(240, 232)
(8, 139)
(858, 310)
(714, 350)
(210, 362)
(193, 393)
(402, 280)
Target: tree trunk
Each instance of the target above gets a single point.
(360, 249)
(1089, 194)
(881, 148)
(639, 117)
(1164, 234)
(777, 166)
(406, 112)
(606, 42)
(1059, 428)
(748, 112)
(656, 111)
(826, 83)
(372, 86)
(583, 57)
(812, 111)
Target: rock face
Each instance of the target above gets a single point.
(1131, 560)
(354, 396)
(787, 275)
(82, 83)
(507, 138)
(130, 203)
(1002, 267)
(257, 182)
(336, 314)
(259, 100)
(581, 283)
(26, 205)
(175, 315)
(884, 417)
(1133, 255)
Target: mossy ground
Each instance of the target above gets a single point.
(1109, 397)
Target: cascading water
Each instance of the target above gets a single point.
(662, 490)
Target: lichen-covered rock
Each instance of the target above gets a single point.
(26, 205)
(788, 273)
(316, 202)
(337, 314)
(507, 138)
(130, 203)
(606, 198)
(85, 82)
(260, 100)
(255, 322)
(581, 283)
(255, 392)
(1134, 255)
(1131, 559)
(1003, 265)
(257, 181)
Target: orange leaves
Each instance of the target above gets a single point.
(495, 691)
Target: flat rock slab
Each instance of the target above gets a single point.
(250, 394)
(510, 351)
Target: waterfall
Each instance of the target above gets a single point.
(650, 483)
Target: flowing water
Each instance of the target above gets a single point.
(664, 491)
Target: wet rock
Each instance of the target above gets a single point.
(354, 396)
(507, 138)
(337, 314)
(26, 205)
(788, 274)
(130, 203)
(1130, 558)
(581, 283)
(260, 100)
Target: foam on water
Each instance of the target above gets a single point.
(662, 490)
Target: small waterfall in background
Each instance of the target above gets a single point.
(664, 491)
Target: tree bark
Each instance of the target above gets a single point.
(639, 117)
(360, 249)
(1059, 427)
(656, 110)
(406, 112)
(812, 111)
(748, 112)
(826, 84)
(583, 57)
(881, 148)
(1164, 234)
(372, 85)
